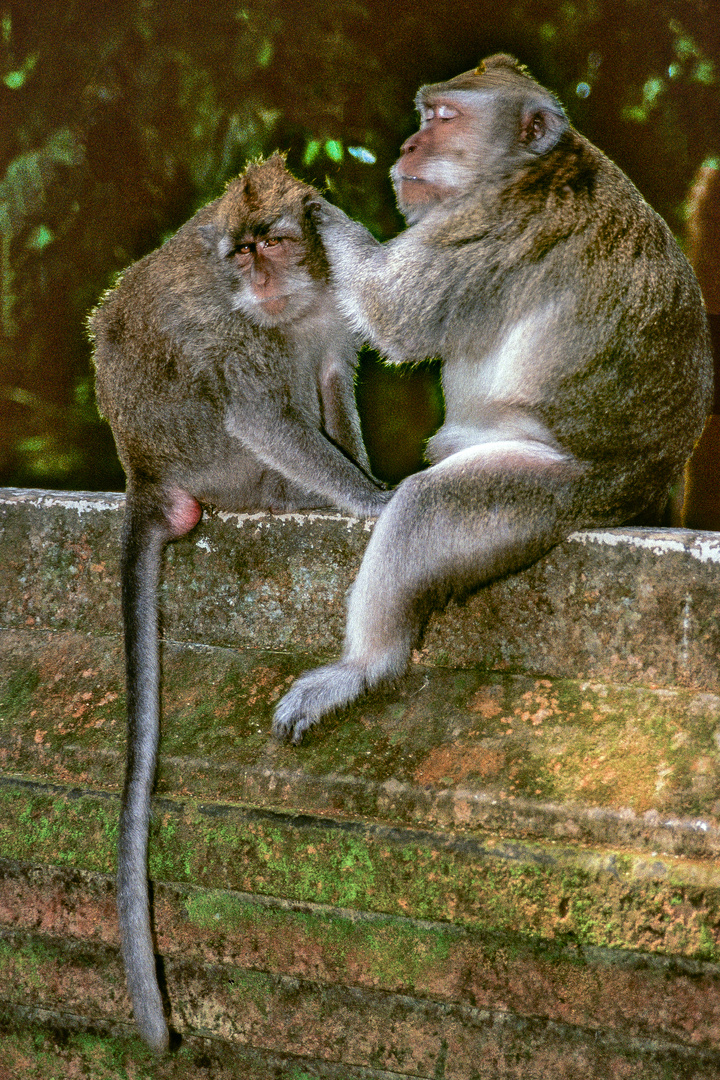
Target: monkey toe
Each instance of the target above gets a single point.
(295, 713)
(315, 695)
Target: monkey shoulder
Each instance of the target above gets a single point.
(575, 196)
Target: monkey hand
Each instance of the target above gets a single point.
(314, 695)
(325, 214)
(335, 227)
(367, 505)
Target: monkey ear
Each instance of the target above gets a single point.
(541, 127)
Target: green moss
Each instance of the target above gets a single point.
(396, 953)
(254, 986)
(16, 695)
(507, 886)
(709, 948)
(45, 828)
(35, 1055)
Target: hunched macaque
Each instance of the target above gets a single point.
(227, 374)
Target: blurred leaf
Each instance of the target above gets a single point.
(265, 53)
(312, 149)
(334, 150)
(705, 72)
(39, 238)
(361, 153)
(14, 80)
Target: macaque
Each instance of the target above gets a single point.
(226, 371)
(576, 363)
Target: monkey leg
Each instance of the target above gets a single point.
(480, 514)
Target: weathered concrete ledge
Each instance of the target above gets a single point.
(514, 852)
(631, 605)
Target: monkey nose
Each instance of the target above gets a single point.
(410, 144)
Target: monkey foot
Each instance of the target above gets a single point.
(314, 695)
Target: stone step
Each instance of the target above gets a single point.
(510, 857)
(553, 760)
(376, 995)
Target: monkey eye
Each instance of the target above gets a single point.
(437, 112)
(252, 247)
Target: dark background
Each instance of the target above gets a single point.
(118, 118)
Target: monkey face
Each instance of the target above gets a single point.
(472, 130)
(442, 158)
(274, 286)
(262, 247)
(263, 263)
(267, 270)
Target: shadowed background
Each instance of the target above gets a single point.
(119, 119)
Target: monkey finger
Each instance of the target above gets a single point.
(324, 213)
(316, 204)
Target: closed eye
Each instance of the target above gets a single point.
(438, 112)
(446, 112)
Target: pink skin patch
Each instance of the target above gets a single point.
(183, 513)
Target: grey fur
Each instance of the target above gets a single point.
(576, 359)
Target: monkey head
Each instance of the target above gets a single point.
(265, 245)
(474, 128)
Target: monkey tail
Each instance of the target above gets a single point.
(144, 537)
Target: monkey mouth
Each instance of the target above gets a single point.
(273, 305)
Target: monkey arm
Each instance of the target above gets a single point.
(339, 411)
(379, 286)
(282, 438)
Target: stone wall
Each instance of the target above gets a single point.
(505, 866)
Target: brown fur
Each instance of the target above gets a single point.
(226, 372)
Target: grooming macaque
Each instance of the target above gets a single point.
(226, 372)
(576, 363)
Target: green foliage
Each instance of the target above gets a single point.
(118, 121)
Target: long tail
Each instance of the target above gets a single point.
(144, 537)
